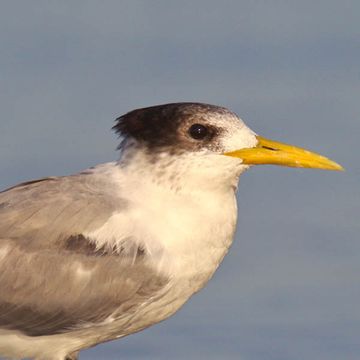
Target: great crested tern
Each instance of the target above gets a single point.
(109, 251)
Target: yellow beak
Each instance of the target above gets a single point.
(276, 153)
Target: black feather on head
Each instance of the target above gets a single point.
(161, 126)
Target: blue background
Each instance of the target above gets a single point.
(290, 287)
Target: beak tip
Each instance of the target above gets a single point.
(334, 166)
(339, 168)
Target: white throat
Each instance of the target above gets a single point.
(181, 211)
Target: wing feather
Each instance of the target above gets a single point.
(52, 278)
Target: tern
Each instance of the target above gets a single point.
(114, 249)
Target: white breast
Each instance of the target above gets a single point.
(186, 234)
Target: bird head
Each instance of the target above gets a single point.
(207, 142)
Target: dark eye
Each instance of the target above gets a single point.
(198, 131)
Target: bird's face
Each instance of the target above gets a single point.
(207, 142)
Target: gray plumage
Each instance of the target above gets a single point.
(41, 225)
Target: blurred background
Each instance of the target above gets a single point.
(290, 287)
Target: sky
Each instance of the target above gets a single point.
(289, 288)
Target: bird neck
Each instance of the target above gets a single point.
(178, 210)
(188, 173)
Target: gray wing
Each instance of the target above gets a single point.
(52, 279)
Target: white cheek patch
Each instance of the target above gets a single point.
(239, 138)
(236, 135)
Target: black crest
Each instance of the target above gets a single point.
(158, 126)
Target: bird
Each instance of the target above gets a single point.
(111, 250)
